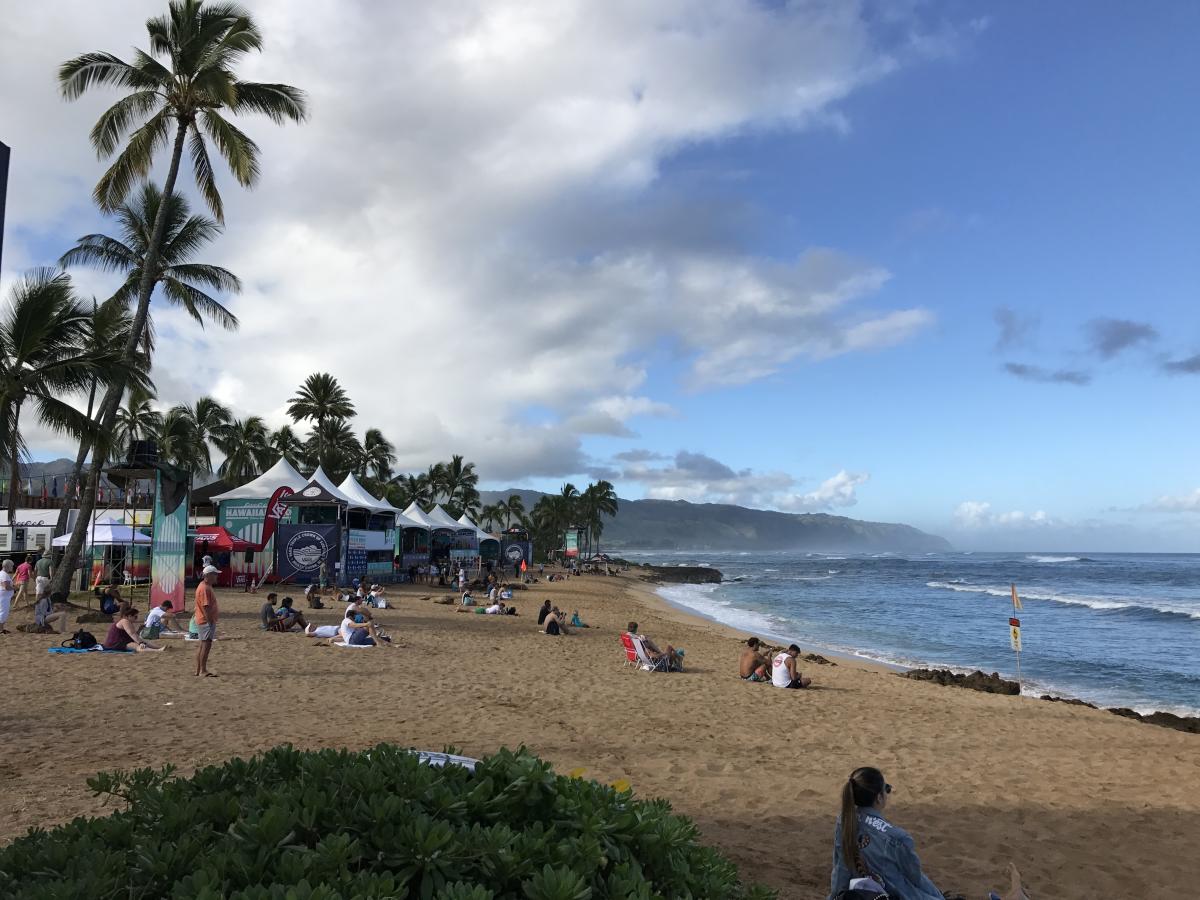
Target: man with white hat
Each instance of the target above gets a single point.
(206, 618)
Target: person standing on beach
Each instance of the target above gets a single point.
(206, 618)
(21, 579)
(7, 589)
(43, 570)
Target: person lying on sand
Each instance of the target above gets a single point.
(670, 654)
(784, 673)
(753, 665)
(873, 854)
(160, 620)
(122, 635)
(321, 631)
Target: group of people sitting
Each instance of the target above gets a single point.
(552, 620)
(285, 618)
(778, 669)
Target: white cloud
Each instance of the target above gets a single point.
(976, 514)
(1173, 504)
(702, 479)
(447, 234)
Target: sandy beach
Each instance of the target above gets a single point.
(1086, 803)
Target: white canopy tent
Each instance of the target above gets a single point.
(443, 519)
(282, 474)
(483, 535)
(415, 513)
(108, 531)
(319, 477)
(353, 489)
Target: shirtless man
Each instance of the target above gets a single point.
(752, 665)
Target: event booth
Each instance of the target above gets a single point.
(251, 513)
(371, 538)
(463, 546)
(489, 545)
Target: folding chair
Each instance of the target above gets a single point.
(631, 656)
(662, 664)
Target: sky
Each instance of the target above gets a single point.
(931, 263)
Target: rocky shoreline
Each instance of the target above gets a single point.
(994, 684)
(680, 574)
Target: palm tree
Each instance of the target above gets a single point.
(182, 281)
(512, 508)
(333, 446)
(597, 501)
(285, 444)
(491, 515)
(320, 399)
(137, 419)
(178, 443)
(436, 477)
(45, 358)
(407, 489)
(247, 449)
(459, 483)
(201, 46)
(209, 419)
(110, 325)
(377, 456)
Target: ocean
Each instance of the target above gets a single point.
(1112, 629)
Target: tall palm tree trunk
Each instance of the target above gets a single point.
(14, 481)
(116, 388)
(85, 445)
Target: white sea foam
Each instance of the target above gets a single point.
(1101, 603)
(700, 597)
(1053, 559)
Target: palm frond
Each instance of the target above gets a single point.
(115, 122)
(101, 251)
(133, 162)
(278, 102)
(198, 304)
(215, 277)
(205, 178)
(239, 151)
(88, 70)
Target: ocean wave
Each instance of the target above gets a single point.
(834, 571)
(1057, 559)
(699, 597)
(1098, 603)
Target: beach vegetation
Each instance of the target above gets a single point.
(374, 823)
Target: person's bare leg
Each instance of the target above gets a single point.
(202, 657)
(148, 648)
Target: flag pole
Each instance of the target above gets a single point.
(1015, 624)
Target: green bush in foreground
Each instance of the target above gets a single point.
(292, 825)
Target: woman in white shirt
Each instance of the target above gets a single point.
(7, 588)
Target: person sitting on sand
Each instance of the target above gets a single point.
(51, 614)
(160, 620)
(288, 617)
(671, 655)
(122, 636)
(784, 673)
(467, 599)
(577, 622)
(266, 612)
(555, 623)
(543, 612)
(110, 599)
(312, 598)
(752, 665)
(358, 630)
(872, 854)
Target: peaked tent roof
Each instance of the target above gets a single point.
(440, 517)
(464, 519)
(319, 477)
(282, 474)
(353, 489)
(415, 514)
(107, 531)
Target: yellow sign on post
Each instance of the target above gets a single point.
(1015, 634)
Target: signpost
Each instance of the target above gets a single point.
(1014, 630)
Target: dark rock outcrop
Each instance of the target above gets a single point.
(975, 681)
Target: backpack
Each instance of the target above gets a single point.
(81, 640)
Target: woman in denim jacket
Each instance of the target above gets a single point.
(867, 846)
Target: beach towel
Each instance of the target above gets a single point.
(351, 646)
(96, 649)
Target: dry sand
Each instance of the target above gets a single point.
(1088, 804)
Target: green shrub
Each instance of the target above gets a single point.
(329, 824)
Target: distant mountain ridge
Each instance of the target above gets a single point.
(680, 525)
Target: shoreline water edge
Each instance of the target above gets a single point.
(671, 584)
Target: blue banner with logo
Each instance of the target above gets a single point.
(300, 550)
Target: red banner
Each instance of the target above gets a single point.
(276, 510)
